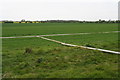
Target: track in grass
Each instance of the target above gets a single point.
(66, 44)
(59, 60)
(62, 34)
(71, 45)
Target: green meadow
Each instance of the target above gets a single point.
(107, 41)
(55, 28)
(38, 58)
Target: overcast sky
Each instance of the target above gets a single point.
(58, 9)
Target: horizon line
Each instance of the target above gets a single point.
(63, 20)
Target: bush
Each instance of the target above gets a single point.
(28, 50)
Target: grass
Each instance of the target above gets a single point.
(56, 61)
(51, 60)
(55, 28)
(104, 41)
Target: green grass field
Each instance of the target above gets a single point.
(107, 41)
(55, 28)
(52, 60)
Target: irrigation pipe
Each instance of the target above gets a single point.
(71, 45)
(60, 34)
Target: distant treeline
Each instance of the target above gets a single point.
(62, 21)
